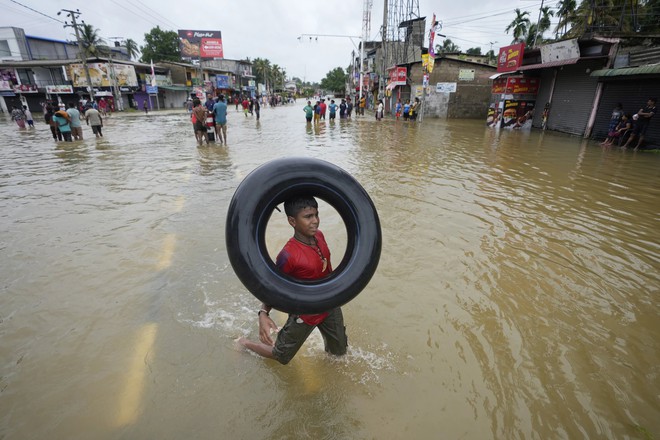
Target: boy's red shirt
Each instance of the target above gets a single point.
(303, 262)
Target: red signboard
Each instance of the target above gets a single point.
(398, 76)
(527, 86)
(515, 85)
(211, 48)
(510, 57)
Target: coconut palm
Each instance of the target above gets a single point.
(519, 25)
(93, 44)
(132, 49)
(566, 14)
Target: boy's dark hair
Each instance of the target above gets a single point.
(72, 105)
(296, 204)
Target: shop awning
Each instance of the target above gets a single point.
(550, 64)
(653, 69)
(176, 88)
(497, 75)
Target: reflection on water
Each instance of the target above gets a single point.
(516, 296)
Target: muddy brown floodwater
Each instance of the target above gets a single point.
(517, 295)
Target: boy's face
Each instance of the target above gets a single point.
(306, 222)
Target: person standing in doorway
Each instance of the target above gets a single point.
(380, 110)
(220, 116)
(145, 106)
(644, 116)
(76, 126)
(305, 256)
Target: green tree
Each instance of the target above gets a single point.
(160, 45)
(520, 26)
(335, 80)
(447, 46)
(132, 48)
(566, 14)
(92, 43)
(473, 51)
(261, 68)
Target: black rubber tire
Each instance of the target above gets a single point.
(247, 218)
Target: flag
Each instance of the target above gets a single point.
(153, 74)
(434, 27)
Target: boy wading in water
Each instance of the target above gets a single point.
(305, 256)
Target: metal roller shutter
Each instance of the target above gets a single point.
(633, 94)
(573, 97)
(543, 96)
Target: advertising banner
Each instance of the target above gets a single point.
(5, 85)
(222, 81)
(200, 44)
(100, 74)
(510, 57)
(63, 89)
(25, 88)
(515, 85)
(152, 90)
(445, 87)
(398, 76)
(518, 114)
(527, 86)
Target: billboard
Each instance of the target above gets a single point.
(515, 85)
(560, 51)
(200, 44)
(398, 76)
(510, 57)
(101, 75)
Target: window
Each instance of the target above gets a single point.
(57, 77)
(25, 76)
(4, 49)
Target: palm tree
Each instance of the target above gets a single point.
(519, 25)
(262, 69)
(544, 22)
(131, 48)
(93, 44)
(566, 14)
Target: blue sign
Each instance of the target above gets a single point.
(222, 81)
(152, 90)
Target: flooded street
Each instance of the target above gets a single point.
(517, 295)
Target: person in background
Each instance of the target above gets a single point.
(332, 109)
(76, 126)
(63, 121)
(342, 109)
(48, 117)
(624, 125)
(18, 116)
(380, 110)
(398, 109)
(406, 110)
(644, 116)
(309, 111)
(220, 117)
(28, 116)
(145, 107)
(349, 107)
(257, 107)
(93, 118)
(199, 115)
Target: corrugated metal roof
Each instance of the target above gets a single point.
(652, 69)
(550, 64)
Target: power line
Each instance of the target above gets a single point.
(38, 12)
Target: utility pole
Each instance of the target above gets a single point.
(81, 50)
(384, 66)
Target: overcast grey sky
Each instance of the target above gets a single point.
(270, 28)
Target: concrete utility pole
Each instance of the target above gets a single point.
(82, 52)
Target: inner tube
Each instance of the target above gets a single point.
(252, 206)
